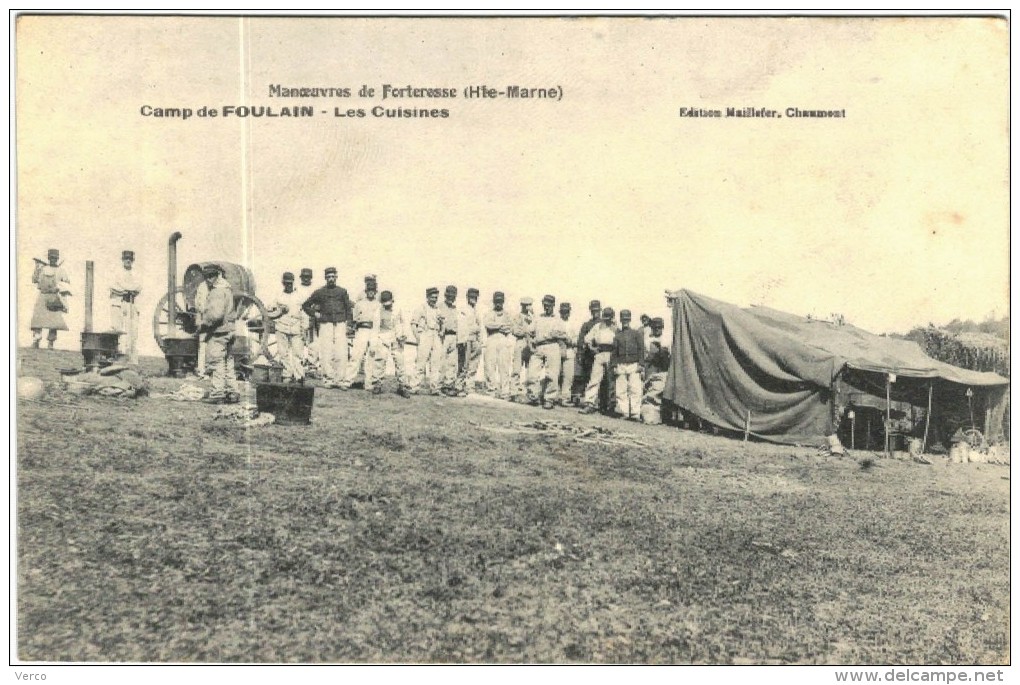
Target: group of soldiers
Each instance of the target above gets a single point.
(54, 286)
(450, 348)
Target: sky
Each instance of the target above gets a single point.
(894, 216)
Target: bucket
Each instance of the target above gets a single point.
(290, 404)
(272, 374)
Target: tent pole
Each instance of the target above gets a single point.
(747, 425)
(927, 421)
(888, 413)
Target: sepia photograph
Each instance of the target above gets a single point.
(550, 340)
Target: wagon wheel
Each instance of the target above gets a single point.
(253, 322)
(161, 328)
(975, 438)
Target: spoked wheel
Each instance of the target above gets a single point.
(183, 325)
(975, 438)
(253, 323)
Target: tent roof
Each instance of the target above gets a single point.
(845, 344)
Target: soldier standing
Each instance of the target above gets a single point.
(54, 287)
(499, 343)
(628, 356)
(217, 330)
(585, 355)
(450, 318)
(469, 343)
(123, 311)
(330, 307)
(569, 357)
(366, 325)
(523, 329)
(289, 324)
(600, 340)
(426, 323)
(389, 344)
(544, 365)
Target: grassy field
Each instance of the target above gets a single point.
(423, 530)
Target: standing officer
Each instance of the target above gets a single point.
(330, 307)
(499, 344)
(628, 355)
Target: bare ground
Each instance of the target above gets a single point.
(395, 530)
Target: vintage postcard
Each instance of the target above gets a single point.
(545, 340)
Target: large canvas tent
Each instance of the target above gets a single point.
(786, 378)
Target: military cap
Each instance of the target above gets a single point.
(330, 270)
(608, 313)
(127, 254)
(472, 291)
(385, 296)
(564, 306)
(657, 321)
(593, 305)
(451, 290)
(549, 299)
(624, 312)
(211, 270)
(432, 291)
(288, 277)
(52, 252)
(498, 296)
(527, 300)
(369, 277)
(306, 273)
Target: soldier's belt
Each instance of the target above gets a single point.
(548, 342)
(364, 324)
(605, 348)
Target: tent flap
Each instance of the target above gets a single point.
(775, 370)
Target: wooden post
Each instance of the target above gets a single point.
(89, 294)
(927, 420)
(747, 425)
(888, 413)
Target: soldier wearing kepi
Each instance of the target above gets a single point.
(366, 326)
(585, 355)
(389, 344)
(305, 290)
(523, 329)
(289, 324)
(217, 330)
(450, 318)
(123, 311)
(628, 355)
(426, 323)
(568, 350)
(54, 287)
(330, 306)
(656, 368)
(499, 343)
(544, 365)
(601, 341)
(469, 343)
